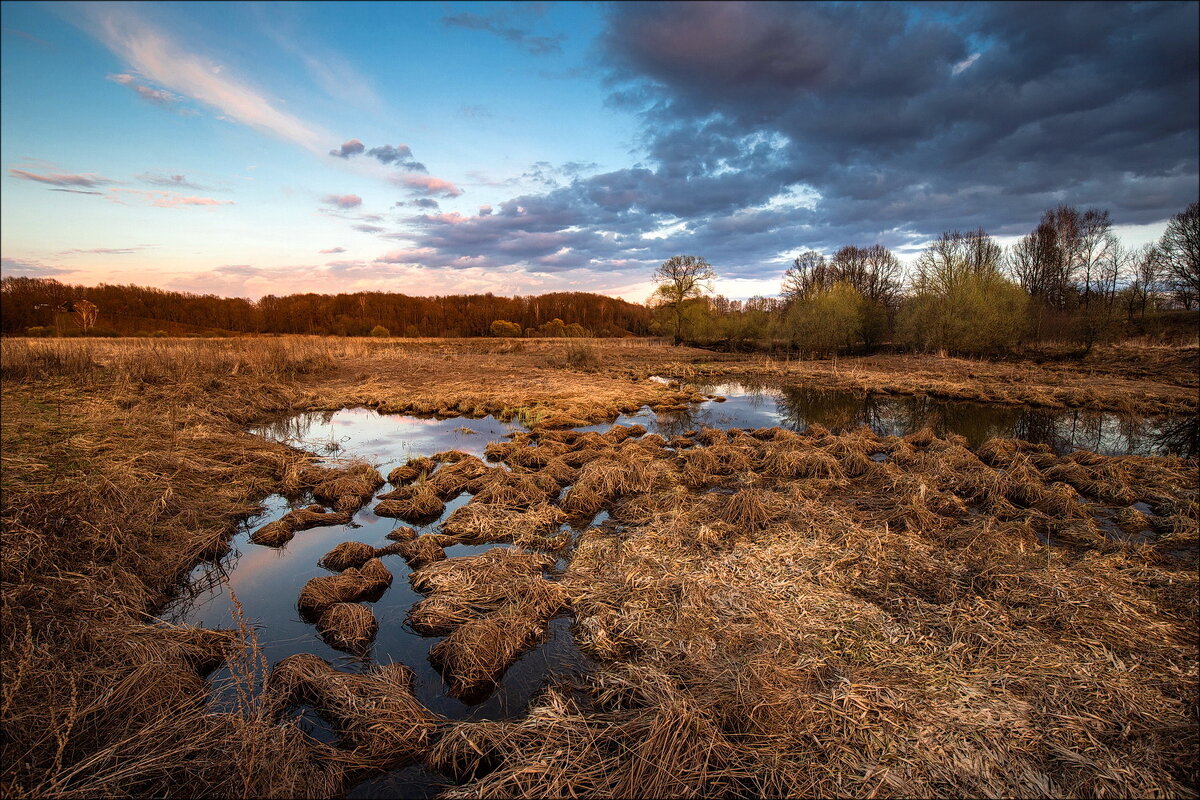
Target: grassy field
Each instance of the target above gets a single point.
(822, 623)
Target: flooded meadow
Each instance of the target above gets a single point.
(263, 582)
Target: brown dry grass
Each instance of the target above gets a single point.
(124, 462)
(380, 724)
(348, 586)
(348, 626)
(490, 607)
(856, 631)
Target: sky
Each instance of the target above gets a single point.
(518, 148)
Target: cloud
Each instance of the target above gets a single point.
(154, 54)
(770, 128)
(87, 179)
(332, 250)
(342, 200)
(498, 25)
(179, 181)
(159, 97)
(420, 202)
(27, 268)
(105, 251)
(428, 185)
(368, 228)
(165, 199)
(400, 155)
(349, 148)
(247, 280)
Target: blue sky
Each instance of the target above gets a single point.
(248, 149)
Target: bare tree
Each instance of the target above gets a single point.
(810, 271)
(1180, 249)
(954, 256)
(873, 271)
(1096, 239)
(679, 279)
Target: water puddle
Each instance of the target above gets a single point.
(267, 581)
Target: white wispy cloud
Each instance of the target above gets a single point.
(166, 61)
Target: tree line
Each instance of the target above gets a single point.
(1069, 279)
(27, 303)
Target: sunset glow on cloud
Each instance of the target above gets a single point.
(435, 148)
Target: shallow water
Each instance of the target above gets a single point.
(266, 582)
(749, 406)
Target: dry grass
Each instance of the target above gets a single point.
(490, 607)
(346, 555)
(824, 630)
(479, 522)
(348, 626)
(872, 639)
(380, 724)
(1126, 378)
(418, 503)
(349, 586)
(419, 551)
(282, 530)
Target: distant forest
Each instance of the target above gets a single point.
(34, 303)
(1071, 279)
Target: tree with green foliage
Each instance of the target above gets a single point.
(692, 321)
(825, 319)
(380, 332)
(960, 300)
(680, 279)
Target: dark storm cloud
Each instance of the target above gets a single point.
(768, 128)
(505, 28)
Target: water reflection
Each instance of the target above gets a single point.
(1063, 430)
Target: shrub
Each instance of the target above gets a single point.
(380, 332)
(501, 327)
(826, 319)
(39, 330)
(582, 356)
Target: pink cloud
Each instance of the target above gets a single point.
(332, 250)
(163, 199)
(343, 200)
(427, 184)
(409, 256)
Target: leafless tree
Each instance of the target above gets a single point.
(810, 271)
(954, 256)
(1180, 249)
